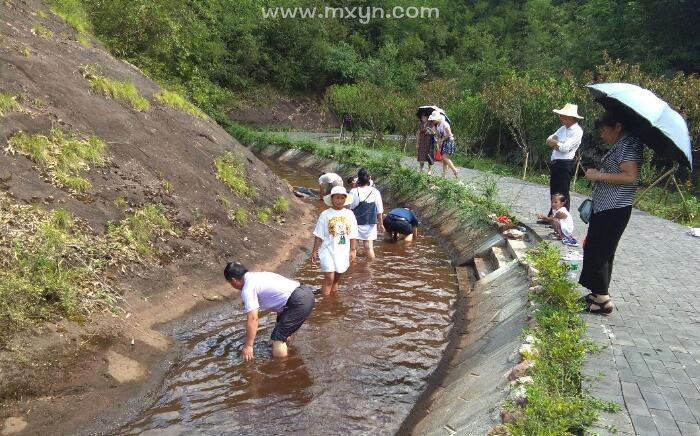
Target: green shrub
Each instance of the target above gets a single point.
(8, 103)
(120, 202)
(175, 100)
(115, 89)
(62, 155)
(231, 172)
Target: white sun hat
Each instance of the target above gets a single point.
(569, 110)
(436, 116)
(338, 190)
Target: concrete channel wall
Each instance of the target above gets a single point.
(470, 382)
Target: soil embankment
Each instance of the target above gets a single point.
(60, 374)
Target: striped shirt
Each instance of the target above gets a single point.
(608, 196)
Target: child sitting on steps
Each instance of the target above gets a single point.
(561, 220)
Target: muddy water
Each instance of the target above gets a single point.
(356, 366)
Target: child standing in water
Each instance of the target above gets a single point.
(335, 242)
(561, 220)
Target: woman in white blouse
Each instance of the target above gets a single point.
(368, 209)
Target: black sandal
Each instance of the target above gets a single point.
(605, 308)
(587, 299)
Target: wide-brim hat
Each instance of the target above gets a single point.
(436, 116)
(338, 190)
(569, 110)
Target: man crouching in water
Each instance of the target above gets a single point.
(291, 300)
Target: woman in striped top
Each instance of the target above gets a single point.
(613, 195)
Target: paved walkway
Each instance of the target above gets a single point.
(650, 362)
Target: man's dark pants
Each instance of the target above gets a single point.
(561, 171)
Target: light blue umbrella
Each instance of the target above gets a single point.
(659, 126)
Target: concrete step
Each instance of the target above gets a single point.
(483, 266)
(501, 256)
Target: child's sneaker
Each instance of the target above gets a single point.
(570, 241)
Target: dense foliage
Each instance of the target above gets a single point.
(498, 67)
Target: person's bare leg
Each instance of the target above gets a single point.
(444, 167)
(279, 349)
(408, 237)
(336, 282)
(448, 161)
(420, 166)
(430, 170)
(328, 280)
(369, 249)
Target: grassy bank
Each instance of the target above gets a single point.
(555, 402)
(52, 265)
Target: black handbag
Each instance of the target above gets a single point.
(585, 210)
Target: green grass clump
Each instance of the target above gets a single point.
(120, 202)
(134, 233)
(239, 216)
(175, 100)
(115, 89)
(73, 13)
(281, 205)
(8, 103)
(231, 172)
(556, 403)
(62, 155)
(264, 215)
(49, 266)
(42, 31)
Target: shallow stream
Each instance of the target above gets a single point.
(357, 365)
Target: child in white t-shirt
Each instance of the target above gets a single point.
(335, 242)
(561, 220)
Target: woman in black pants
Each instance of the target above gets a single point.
(613, 195)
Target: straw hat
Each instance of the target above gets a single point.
(338, 190)
(436, 116)
(569, 110)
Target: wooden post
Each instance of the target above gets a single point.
(668, 173)
(576, 167)
(526, 154)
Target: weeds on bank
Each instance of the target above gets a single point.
(281, 205)
(239, 216)
(42, 31)
(115, 89)
(133, 234)
(62, 155)
(231, 171)
(8, 103)
(556, 403)
(52, 265)
(175, 100)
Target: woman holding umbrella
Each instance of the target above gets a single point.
(444, 141)
(656, 125)
(613, 195)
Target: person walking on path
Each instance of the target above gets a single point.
(615, 187)
(401, 221)
(368, 208)
(444, 141)
(327, 181)
(564, 144)
(292, 301)
(335, 239)
(424, 145)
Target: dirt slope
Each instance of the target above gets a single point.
(62, 374)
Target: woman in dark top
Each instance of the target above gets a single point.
(613, 195)
(424, 145)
